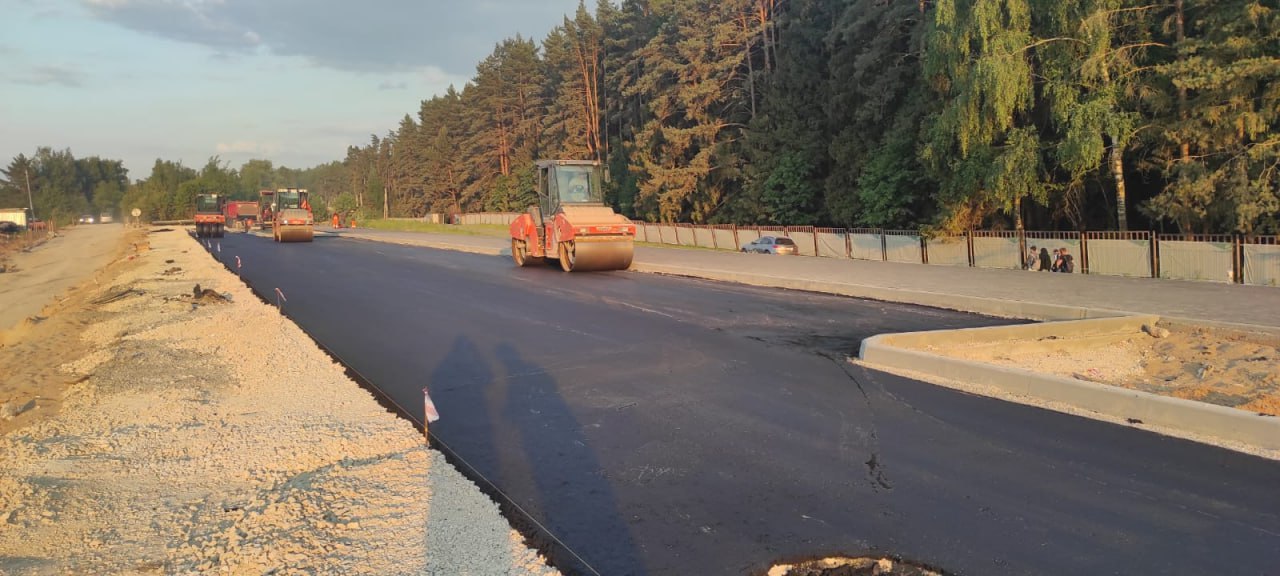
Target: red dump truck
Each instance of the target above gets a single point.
(241, 214)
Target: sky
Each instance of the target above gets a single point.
(292, 81)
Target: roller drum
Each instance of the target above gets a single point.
(596, 254)
(296, 234)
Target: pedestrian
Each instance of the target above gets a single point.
(1029, 263)
(1057, 260)
(1045, 262)
(336, 222)
(1068, 262)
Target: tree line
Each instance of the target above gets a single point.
(945, 114)
(62, 187)
(938, 114)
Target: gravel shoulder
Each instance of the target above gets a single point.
(179, 435)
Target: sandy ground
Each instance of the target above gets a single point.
(34, 278)
(180, 436)
(1234, 369)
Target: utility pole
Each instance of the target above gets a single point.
(30, 205)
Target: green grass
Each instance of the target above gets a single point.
(496, 230)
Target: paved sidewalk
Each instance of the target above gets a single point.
(1017, 293)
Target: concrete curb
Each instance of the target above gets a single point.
(1220, 422)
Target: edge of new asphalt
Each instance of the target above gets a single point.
(903, 351)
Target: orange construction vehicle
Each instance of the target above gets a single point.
(209, 217)
(571, 223)
(291, 213)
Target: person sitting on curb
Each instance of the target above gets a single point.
(1029, 263)
(1057, 260)
(1066, 262)
(1045, 262)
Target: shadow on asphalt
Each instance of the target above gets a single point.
(564, 488)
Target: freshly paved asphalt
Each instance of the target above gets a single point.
(671, 426)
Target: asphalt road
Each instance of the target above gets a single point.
(671, 426)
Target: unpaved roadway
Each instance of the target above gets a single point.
(39, 276)
(670, 426)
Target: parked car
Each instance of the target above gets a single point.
(86, 219)
(771, 245)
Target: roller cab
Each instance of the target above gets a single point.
(571, 224)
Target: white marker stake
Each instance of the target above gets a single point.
(219, 247)
(429, 413)
(280, 300)
(237, 265)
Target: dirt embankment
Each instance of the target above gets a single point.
(176, 435)
(1235, 369)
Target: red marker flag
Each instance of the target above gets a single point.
(429, 407)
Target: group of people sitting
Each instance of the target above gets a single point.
(1060, 261)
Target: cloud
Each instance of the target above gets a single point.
(389, 85)
(52, 75)
(246, 147)
(369, 36)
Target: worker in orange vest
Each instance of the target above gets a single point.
(336, 222)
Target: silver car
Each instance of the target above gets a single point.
(771, 245)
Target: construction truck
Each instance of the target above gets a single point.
(291, 213)
(241, 214)
(209, 217)
(571, 223)
(265, 198)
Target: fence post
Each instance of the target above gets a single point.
(968, 235)
(816, 252)
(1155, 256)
(848, 245)
(1237, 259)
(1084, 252)
(924, 250)
(884, 247)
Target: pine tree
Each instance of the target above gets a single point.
(787, 141)
(876, 106)
(1221, 151)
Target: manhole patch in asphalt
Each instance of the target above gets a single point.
(864, 566)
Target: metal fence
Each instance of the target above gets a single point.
(1260, 260)
(498, 218)
(1214, 258)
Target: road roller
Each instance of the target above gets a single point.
(571, 226)
(209, 217)
(291, 216)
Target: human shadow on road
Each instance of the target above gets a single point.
(571, 494)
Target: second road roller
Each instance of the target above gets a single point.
(291, 219)
(571, 223)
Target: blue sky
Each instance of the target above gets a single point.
(293, 81)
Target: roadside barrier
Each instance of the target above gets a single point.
(1223, 258)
